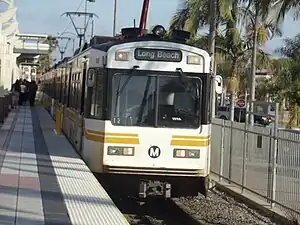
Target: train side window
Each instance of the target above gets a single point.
(69, 89)
(73, 92)
(78, 91)
(95, 94)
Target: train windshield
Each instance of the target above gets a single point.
(156, 100)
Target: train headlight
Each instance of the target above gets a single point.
(195, 154)
(122, 56)
(117, 150)
(194, 59)
(186, 153)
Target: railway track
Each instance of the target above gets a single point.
(217, 208)
(153, 212)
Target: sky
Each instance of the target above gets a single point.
(44, 17)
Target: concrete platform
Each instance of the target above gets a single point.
(43, 180)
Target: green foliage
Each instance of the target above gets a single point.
(238, 23)
(294, 93)
(234, 43)
(291, 48)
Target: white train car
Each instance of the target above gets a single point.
(138, 111)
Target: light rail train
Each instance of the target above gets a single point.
(137, 110)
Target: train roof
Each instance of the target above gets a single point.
(108, 42)
(107, 45)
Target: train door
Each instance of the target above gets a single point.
(73, 112)
(82, 106)
(67, 114)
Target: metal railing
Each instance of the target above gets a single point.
(258, 159)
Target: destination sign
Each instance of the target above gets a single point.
(147, 54)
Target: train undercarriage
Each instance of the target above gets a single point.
(155, 186)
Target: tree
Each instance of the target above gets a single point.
(194, 14)
(231, 43)
(258, 26)
(285, 6)
(288, 80)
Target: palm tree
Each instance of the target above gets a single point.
(285, 6)
(260, 27)
(194, 14)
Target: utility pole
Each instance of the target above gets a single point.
(212, 37)
(253, 70)
(115, 19)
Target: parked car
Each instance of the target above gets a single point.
(240, 115)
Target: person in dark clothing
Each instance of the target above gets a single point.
(22, 92)
(27, 94)
(15, 89)
(32, 92)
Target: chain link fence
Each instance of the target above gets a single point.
(259, 159)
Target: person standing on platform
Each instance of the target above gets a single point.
(32, 92)
(15, 89)
(23, 90)
(26, 97)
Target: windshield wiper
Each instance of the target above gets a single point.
(120, 90)
(144, 101)
(185, 79)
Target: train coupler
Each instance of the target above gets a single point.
(154, 188)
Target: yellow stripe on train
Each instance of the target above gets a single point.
(127, 138)
(111, 138)
(191, 141)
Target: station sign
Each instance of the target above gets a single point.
(165, 55)
(241, 103)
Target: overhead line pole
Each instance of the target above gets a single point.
(85, 25)
(78, 30)
(144, 15)
(212, 37)
(63, 49)
(115, 18)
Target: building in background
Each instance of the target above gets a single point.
(9, 70)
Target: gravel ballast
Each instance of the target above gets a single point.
(219, 208)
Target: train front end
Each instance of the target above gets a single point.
(157, 132)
